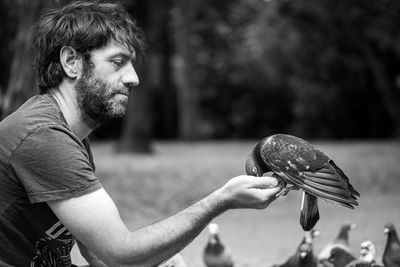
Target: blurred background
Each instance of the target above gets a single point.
(218, 76)
(241, 69)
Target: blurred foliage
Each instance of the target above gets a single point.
(300, 67)
(314, 68)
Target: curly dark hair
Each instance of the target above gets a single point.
(83, 26)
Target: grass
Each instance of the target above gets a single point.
(147, 188)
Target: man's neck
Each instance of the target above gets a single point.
(66, 99)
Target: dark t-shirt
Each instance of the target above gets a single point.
(41, 160)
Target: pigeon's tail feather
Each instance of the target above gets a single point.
(309, 214)
(344, 176)
(330, 193)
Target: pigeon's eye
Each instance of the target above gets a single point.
(255, 169)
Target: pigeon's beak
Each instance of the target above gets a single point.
(303, 255)
(386, 230)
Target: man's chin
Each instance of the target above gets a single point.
(117, 112)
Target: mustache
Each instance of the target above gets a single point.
(122, 91)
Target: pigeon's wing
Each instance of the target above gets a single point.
(299, 163)
(396, 257)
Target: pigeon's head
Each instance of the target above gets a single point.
(304, 250)
(389, 227)
(255, 165)
(348, 225)
(368, 251)
(314, 233)
(213, 233)
(252, 167)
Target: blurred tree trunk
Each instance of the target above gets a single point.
(22, 83)
(168, 95)
(183, 19)
(387, 89)
(137, 129)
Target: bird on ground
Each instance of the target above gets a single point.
(299, 164)
(367, 252)
(340, 257)
(215, 253)
(367, 256)
(391, 254)
(341, 240)
(304, 256)
(358, 263)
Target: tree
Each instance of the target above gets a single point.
(22, 82)
(350, 50)
(183, 23)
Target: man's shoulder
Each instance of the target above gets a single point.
(38, 112)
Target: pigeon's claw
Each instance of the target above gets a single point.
(289, 188)
(285, 188)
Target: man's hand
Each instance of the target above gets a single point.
(250, 192)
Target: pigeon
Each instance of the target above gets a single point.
(304, 256)
(215, 254)
(367, 252)
(367, 256)
(299, 164)
(341, 240)
(359, 263)
(391, 254)
(340, 257)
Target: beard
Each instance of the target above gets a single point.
(98, 101)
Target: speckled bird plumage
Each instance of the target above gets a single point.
(298, 163)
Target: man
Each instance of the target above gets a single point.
(49, 193)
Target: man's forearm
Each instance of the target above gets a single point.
(90, 257)
(154, 243)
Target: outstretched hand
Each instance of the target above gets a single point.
(251, 192)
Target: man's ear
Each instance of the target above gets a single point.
(70, 61)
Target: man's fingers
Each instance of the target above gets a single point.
(265, 182)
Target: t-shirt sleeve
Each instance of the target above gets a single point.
(53, 164)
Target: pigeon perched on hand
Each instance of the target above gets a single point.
(341, 240)
(391, 254)
(299, 164)
(215, 253)
(304, 256)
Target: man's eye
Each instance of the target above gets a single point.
(118, 63)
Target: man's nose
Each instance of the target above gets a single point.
(130, 77)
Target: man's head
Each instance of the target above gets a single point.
(83, 26)
(93, 46)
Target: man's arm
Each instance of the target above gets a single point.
(94, 220)
(93, 261)
(90, 257)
